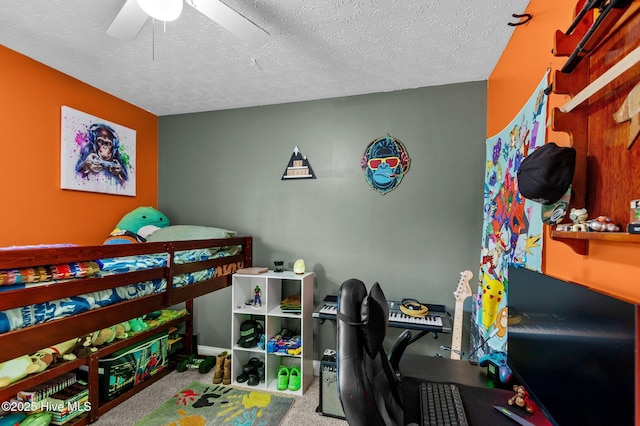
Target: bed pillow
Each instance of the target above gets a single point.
(189, 232)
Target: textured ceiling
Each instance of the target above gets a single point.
(317, 49)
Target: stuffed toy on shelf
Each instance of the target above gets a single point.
(85, 345)
(137, 325)
(53, 354)
(15, 369)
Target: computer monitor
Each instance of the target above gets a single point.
(573, 349)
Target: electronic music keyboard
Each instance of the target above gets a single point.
(437, 320)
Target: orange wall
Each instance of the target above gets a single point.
(35, 210)
(609, 267)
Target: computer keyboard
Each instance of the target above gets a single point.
(441, 405)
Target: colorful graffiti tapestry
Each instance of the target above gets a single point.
(512, 226)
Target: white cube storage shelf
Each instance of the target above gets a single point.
(275, 286)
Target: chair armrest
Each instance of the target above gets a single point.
(397, 351)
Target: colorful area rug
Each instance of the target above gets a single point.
(202, 404)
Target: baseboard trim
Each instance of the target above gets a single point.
(211, 350)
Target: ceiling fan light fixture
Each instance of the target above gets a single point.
(163, 10)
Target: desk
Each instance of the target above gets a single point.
(479, 394)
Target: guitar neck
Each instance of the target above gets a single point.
(456, 337)
(462, 292)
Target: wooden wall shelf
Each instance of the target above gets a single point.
(579, 241)
(605, 180)
(621, 237)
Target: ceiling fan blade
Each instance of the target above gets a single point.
(231, 20)
(128, 22)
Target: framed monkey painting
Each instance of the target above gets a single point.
(97, 155)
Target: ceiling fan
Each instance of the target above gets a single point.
(134, 13)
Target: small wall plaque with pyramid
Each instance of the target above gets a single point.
(298, 167)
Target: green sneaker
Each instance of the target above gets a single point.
(207, 364)
(183, 364)
(294, 378)
(283, 378)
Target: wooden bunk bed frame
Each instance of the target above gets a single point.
(30, 339)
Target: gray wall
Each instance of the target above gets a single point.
(224, 168)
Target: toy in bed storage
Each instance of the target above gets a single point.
(92, 303)
(130, 366)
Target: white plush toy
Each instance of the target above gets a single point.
(15, 369)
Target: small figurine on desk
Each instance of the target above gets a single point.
(257, 293)
(521, 398)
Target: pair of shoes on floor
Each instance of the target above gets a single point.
(222, 373)
(252, 372)
(288, 378)
(204, 365)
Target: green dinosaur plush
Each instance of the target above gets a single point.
(138, 325)
(137, 225)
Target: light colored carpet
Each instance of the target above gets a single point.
(303, 411)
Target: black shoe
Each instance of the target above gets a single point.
(242, 377)
(252, 372)
(253, 380)
(252, 365)
(260, 372)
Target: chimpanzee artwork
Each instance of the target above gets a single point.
(385, 163)
(96, 155)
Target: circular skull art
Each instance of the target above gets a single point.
(385, 162)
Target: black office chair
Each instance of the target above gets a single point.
(369, 382)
